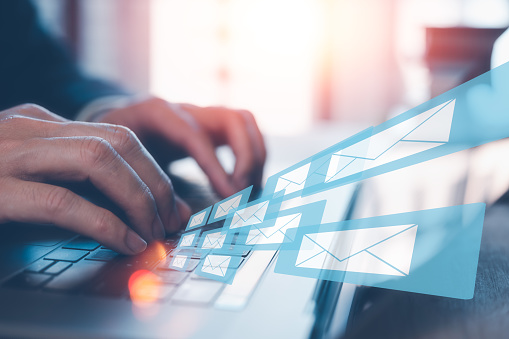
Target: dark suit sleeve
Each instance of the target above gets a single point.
(35, 68)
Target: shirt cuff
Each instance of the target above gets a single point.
(92, 111)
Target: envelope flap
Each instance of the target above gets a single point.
(350, 242)
(437, 128)
(297, 176)
(376, 145)
(232, 203)
(187, 239)
(397, 250)
(214, 238)
(219, 260)
(250, 211)
(199, 217)
(282, 223)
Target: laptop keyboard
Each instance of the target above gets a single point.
(83, 267)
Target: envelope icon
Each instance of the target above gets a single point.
(293, 181)
(228, 206)
(198, 219)
(382, 250)
(179, 261)
(275, 234)
(187, 240)
(216, 264)
(214, 240)
(422, 132)
(250, 215)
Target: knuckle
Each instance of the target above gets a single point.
(123, 137)
(96, 151)
(57, 200)
(30, 107)
(145, 197)
(103, 225)
(164, 188)
(247, 114)
(156, 101)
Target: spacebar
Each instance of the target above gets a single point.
(236, 295)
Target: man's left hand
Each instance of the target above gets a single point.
(183, 129)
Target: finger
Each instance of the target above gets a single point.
(184, 210)
(42, 203)
(258, 143)
(132, 151)
(248, 153)
(199, 146)
(93, 159)
(203, 151)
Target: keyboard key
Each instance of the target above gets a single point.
(82, 243)
(66, 255)
(114, 283)
(189, 253)
(195, 276)
(234, 253)
(197, 292)
(102, 255)
(58, 268)
(28, 280)
(190, 266)
(38, 266)
(171, 277)
(155, 292)
(76, 277)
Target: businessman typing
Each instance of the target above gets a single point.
(44, 148)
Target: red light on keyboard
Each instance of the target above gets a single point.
(144, 287)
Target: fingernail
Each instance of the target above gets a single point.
(135, 242)
(158, 229)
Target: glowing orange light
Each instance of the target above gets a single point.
(144, 287)
(159, 251)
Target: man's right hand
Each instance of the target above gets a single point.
(37, 146)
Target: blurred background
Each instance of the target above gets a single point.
(313, 72)
(293, 63)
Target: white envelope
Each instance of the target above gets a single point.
(187, 240)
(197, 219)
(275, 234)
(425, 131)
(382, 250)
(216, 264)
(250, 215)
(228, 206)
(293, 181)
(179, 261)
(214, 240)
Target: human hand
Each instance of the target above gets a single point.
(38, 147)
(171, 131)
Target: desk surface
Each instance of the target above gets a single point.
(383, 313)
(394, 314)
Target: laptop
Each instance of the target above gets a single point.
(56, 284)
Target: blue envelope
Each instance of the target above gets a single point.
(431, 252)
(219, 267)
(269, 235)
(229, 205)
(198, 219)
